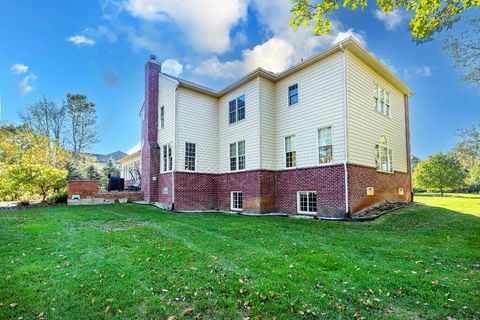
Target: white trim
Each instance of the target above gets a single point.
(185, 156)
(231, 200)
(285, 152)
(345, 127)
(298, 202)
(318, 143)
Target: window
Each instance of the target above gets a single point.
(236, 200)
(325, 148)
(383, 156)
(381, 100)
(162, 117)
(190, 153)
(290, 153)
(307, 202)
(167, 158)
(236, 110)
(237, 156)
(293, 94)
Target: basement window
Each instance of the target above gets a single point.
(236, 200)
(307, 202)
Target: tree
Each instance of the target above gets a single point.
(92, 173)
(110, 169)
(44, 118)
(30, 165)
(414, 160)
(82, 119)
(74, 172)
(439, 172)
(464, 49)
(467, 151)
(428, 18)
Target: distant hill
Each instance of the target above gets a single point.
(103, 158)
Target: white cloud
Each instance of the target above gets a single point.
(284, 48)
(134, 149)
(392, 20)
(80, 40)
(207, 23)
(172, 67)
(420, 71)
(349, 33)
(101, 33)
(19, 68)
(25, 84)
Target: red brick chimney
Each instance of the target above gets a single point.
(150, 147)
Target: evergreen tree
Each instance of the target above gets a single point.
(73, 172)
(111, 168)
(92, 173)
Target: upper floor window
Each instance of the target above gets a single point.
(236, 109)
(190, 156)
(381, 100)
(293, 94)
(237, 156)
(325, 147)
(383, 156)
(167, 158)
(162, 117)
(290, 152)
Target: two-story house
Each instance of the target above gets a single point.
(329, 135)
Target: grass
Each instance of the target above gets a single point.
(137, 262)
(464, 202)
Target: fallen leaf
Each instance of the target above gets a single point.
(107, 309)
(187, 311)
(13, 305)
(341, 308)
(172, 317)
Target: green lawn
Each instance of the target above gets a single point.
(131, 261)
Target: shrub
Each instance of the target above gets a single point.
(59, 197)
(23, 203)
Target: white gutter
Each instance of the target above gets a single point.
(345, 126)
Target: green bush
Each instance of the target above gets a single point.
(59, 197)
(23, 203)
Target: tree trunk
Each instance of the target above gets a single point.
(441, 192)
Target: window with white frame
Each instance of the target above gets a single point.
(236, 200)
(290, 152)
(325, 147)
(237, 156)
(293, 94)
(167, 159)
(383, 156)
(190, 156)
(236, 110)
(307, 202)
(162, 117)
(381, 100)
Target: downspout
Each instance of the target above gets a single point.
(175, 143)
(345, 127)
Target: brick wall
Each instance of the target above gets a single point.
(150, 148)
(195, 191)
(386, 187)
(89, 189)
(84, 188)
(327, 181)
(165, 189)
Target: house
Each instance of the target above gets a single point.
(327, 136)
(130, 168)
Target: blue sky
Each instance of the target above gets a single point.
(98, 48)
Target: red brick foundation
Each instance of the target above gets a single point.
(386, 187)
(327, 181)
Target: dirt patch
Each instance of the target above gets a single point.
(115, 226)
(380, 209)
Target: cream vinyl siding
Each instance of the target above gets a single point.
(246, 129)
(267, 124)
(166, 98)
(320, 104)
(365, 125)
(197, 123)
